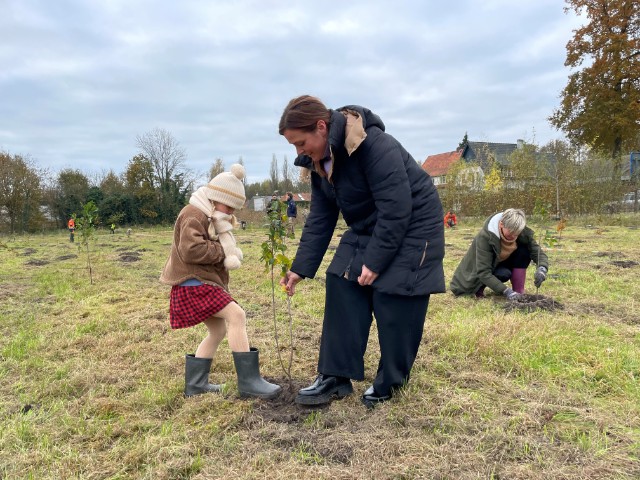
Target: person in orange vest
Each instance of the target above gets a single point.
(71, 225)
(450, 219)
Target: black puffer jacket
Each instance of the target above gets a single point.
(390, 204)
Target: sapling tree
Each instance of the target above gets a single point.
(549, 238)
(274, 257)
(86, 226)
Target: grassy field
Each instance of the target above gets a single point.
(91, 375)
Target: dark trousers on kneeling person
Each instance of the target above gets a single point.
(347, 320)
(520, 258)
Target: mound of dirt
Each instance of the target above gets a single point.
(610, 254)
(66, 257)
(624, 263)
(283, 408)
(127, 257)
(37, 263)
(529, 303)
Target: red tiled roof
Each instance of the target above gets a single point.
(440, 163)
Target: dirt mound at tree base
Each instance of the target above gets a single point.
(530, 303)
(283, 408)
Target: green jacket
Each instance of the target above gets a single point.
(477, 266)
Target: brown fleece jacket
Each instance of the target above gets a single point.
(193, 253)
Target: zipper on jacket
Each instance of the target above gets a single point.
(348, 269)
(424, 253)
(422, 259)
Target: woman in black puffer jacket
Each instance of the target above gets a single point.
(387, 263)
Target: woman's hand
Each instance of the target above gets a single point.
(289, 282)
(367, 277)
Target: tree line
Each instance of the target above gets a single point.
(152, 190)
(557, 179)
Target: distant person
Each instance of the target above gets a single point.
(450, 219)
(501, 251)
(274, 204)
(71, 226)
(388, 262)
(292, 213)
(113, 228)
(202, 253)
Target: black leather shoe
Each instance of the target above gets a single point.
(324, 389)
(370, 398)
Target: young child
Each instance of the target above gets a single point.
(202, 253)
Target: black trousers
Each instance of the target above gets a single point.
(349, 311)
(520, 258)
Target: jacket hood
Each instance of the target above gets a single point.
(338, 126)
(493, 224)
(369, 119)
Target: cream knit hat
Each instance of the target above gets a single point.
(227, 187)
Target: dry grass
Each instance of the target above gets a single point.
(91, 376)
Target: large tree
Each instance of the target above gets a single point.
(140, 184)
(216, 169)
(20, 192)
(274, 174)
(71, 193)
(167, 159)
(600, 104)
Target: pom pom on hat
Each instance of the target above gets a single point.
(227, 187)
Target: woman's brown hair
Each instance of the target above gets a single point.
(303, 113)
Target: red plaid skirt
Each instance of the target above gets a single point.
(190, 306)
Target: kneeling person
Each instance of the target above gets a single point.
(501, 251)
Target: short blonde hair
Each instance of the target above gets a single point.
(513, 219)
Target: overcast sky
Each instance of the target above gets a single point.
(80, 79)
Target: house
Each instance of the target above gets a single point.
(480, 154)
(438, 165)
(483, 153)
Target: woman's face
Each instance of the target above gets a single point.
(507, 234)
(312, 144)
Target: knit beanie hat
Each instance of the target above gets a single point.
(227, 187)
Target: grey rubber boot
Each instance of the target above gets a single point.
(250, 382)
(196, 376)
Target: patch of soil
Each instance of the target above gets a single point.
(11, 290)
(66, 257)
(529, 303)
(624, 263)
(37, 263)
(283, 408)
(28, 251)
(128, 257)
(580, 241)
(610, 254)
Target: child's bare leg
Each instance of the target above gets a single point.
(236, 321)
(217, 330)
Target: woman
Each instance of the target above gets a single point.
(502, 251)
(389, 260)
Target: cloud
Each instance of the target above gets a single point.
(82, 79)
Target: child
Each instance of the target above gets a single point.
(198, 271)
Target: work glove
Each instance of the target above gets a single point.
(511, 295)
(540, 276)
